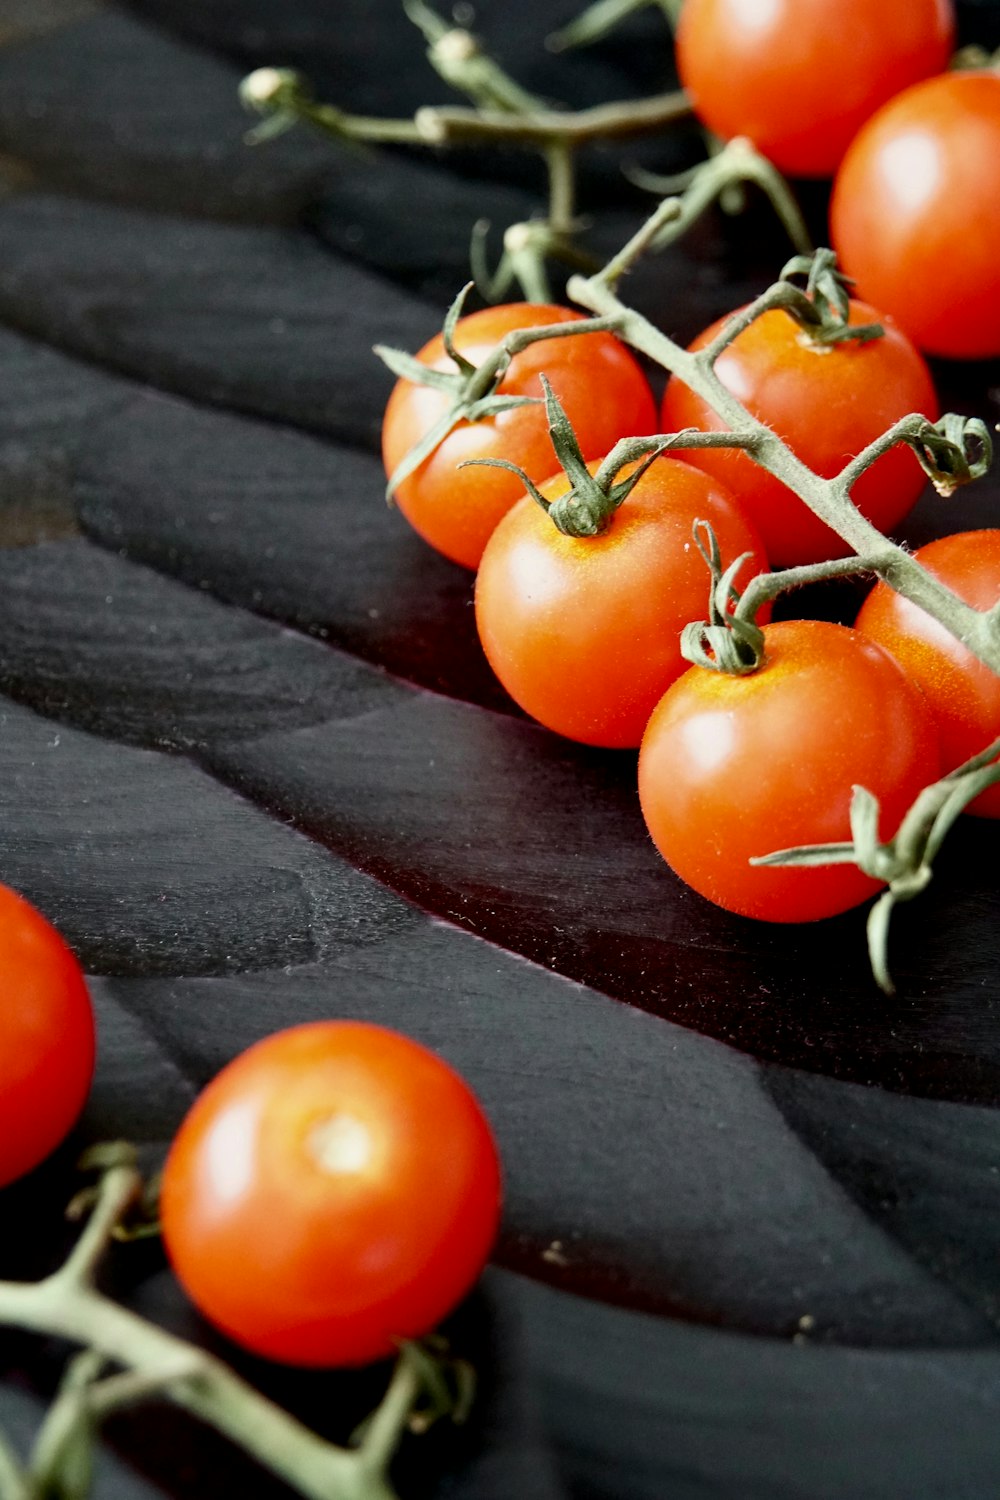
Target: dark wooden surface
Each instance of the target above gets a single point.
(253, 766)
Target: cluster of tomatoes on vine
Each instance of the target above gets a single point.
(582, 620)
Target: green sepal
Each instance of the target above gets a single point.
(945, 451)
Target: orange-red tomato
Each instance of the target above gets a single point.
(595, 378)
(584, 633)
(46, 1037)
(963, 693)
(732, 768)
(335, 1189)
(799, 77)
(915, 213)
(827, 403)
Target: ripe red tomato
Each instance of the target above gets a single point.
(584, 633)
(732, 768)
(335, 1189)
(799, 77)
(595, 378)
(827, 402)
(915, 214)
(964, 695)
(46, 1037)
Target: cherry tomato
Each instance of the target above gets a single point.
(915, 214)
(827, 402)
(584, 633)
(732, 768)
(595, 378)
(46, 1038)
(335, 1189)
(799, 77)
(964, 695)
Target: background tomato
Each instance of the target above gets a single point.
(595, 378)
(46, 1037)
(915, 213)
(584, 633)
(963, 693)
(800, 76)
(827, 402)
(732, 768)
(334, 1189)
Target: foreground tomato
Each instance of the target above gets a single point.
(46, 1037)
(584, 632)
(963, 693)
(335, 1189)
(827, 402)
(915, 214)
(732, 768)
(800, 76)
(596, 379)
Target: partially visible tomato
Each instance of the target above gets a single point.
(732, 768)
(584, 632)
(963, 693)
(335, 1189)
(827, 402)
(46, 1037)
(915, 213)
(799, 77)
(595, 378)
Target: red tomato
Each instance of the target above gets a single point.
(46, 1038)
(799, 77)
(584, 633)
(827, 402)
(335, 1189)
(915, 214)
(732, 768)
(595, 378)
(963, 693)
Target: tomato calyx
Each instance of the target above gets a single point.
(954, 451)
(728, 641)
(592, 499)
(822, 309)
(903, 863)
(473, 389)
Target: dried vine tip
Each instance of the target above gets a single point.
(954, 451)
(266, 89)
(824, 312)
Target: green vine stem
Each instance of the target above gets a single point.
(150, 1361)
(601, 18)
(952, 451)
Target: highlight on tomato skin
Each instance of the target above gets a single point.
(827, 403)
(800, 77)
(584, 632)
(335, 1189)
(732, 768)
(963, 693)
(596, 379)
(46, 1037)
(915, 213)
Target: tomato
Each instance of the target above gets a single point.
(915, 213)
(799, 77)
(595, 378)
(732, 768)
(46, 1038)
(964, 695)
(583, 632)
(827, 402)
(335, 1189)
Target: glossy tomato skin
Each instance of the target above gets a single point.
(915, 213)
(584, 633)
(827, 403)
(964, 695)
(336, 1188)
(799, 77)
(596, 379)
(46, 1037)
(732, 768)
